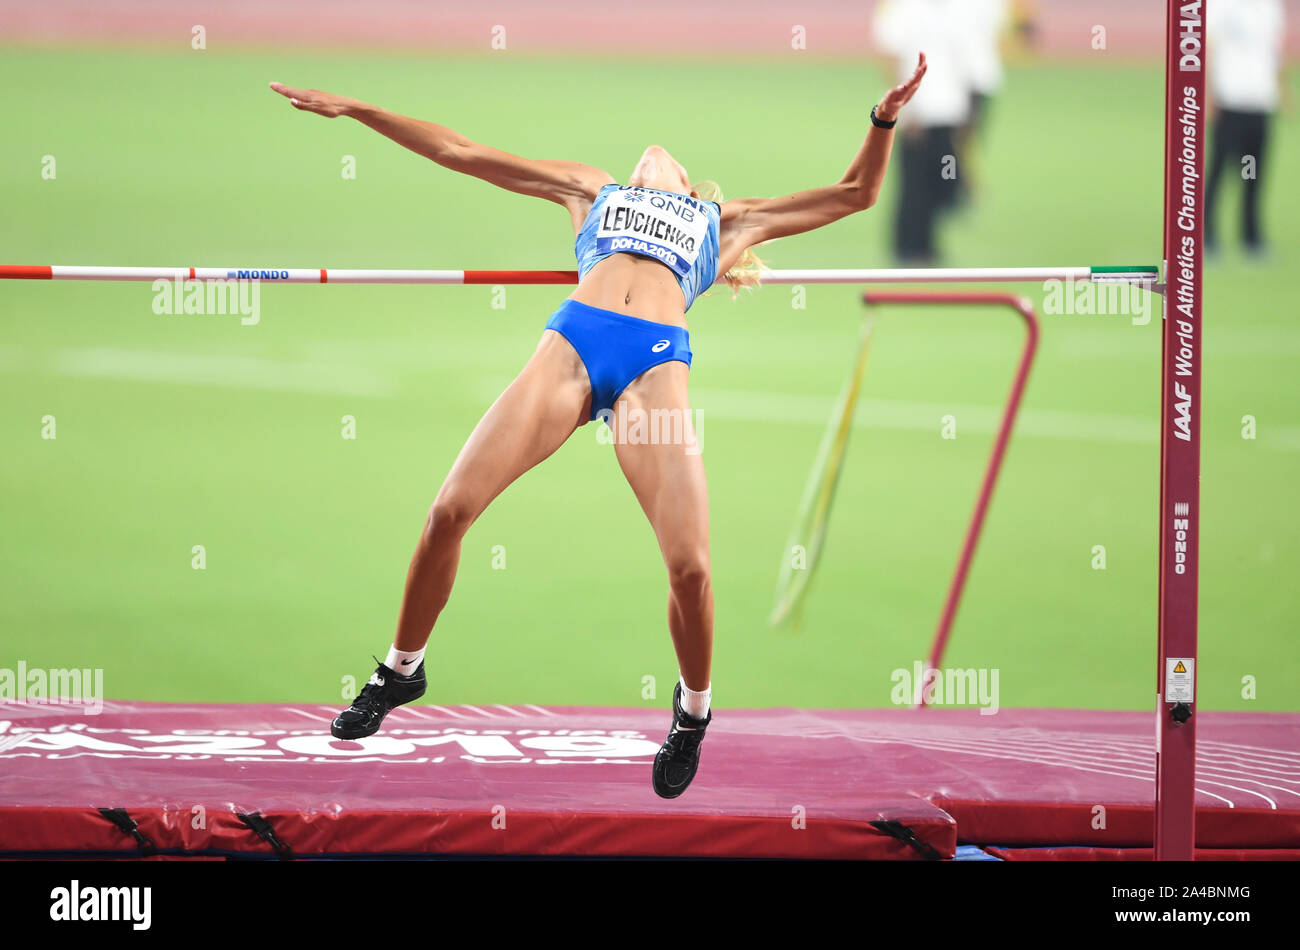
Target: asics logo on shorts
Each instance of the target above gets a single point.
(660, 346)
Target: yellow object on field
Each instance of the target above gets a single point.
(804, 546)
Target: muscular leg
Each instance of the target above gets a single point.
(537, 412)
(669, 484)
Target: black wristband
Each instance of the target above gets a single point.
(879, 122)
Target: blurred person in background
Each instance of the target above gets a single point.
(1024, 22)
(928, 144)
(983, 23)
(1244, 63)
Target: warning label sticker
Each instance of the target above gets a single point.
(1180, 679)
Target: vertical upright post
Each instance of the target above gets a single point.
(1180, 430)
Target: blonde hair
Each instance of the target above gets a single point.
(748, 269)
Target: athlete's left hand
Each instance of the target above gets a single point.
(901, 95)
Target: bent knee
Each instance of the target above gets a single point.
(688, 572)
(451, 515)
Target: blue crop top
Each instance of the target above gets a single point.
(679, 231)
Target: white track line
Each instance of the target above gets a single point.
(1236, 776)
(1205, 762)
(1281, 775)
(1256, 750)
(1135, 755)
(1273, 763)
(1136, 752)
(449, 712)
(1027, 748)
(940, 747)
(513, 712)
(481, 712)
(1264, 766)
(311, 716)
(539, 710)
(1201, 780)
(232, 371)
(1067, 424)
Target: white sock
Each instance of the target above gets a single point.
(696, 703)
(403, 662)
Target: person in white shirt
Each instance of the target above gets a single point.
(928, 157)
(1244, 63)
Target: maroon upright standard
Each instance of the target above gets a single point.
(1180, 430)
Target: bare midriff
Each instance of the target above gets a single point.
(635, 286)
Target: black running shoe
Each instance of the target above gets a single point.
(383, 692)
(679, 756)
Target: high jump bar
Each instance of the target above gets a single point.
(1147, 275)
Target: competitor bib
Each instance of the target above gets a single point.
(670, 228)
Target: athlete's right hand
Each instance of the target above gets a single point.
(313, 100)
(902, 94)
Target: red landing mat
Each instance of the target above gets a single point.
(522, 780)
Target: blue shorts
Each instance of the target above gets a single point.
(615, 348)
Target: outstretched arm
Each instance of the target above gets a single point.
(567, 183)
(750, 221)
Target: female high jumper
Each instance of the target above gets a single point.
(618, 346)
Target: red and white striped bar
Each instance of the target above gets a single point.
(322, 275)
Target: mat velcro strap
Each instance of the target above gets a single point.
(124, 823)
(900, 831)
(263, 829)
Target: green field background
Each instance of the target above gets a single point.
(175, 431)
